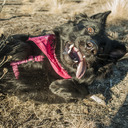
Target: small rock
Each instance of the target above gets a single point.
(86, 111)
(98, 100)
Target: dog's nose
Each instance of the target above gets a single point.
(91, 46)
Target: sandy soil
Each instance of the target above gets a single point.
(32, 18)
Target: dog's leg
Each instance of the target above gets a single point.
(69, 89)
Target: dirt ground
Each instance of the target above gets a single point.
(32, 17)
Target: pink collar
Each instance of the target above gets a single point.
(47, 45)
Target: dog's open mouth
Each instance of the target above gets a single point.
(74, 57)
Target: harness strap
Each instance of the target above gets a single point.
(47, 45)
(31, 58)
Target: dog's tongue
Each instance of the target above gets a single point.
(81, 68)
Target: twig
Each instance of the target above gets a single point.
(2, 5)
(15, 17)
(124, 57)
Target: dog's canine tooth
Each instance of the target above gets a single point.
(70, 48)
(76, 61)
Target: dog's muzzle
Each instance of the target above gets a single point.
(91, 46)
(73, 56)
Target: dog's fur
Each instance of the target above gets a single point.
(38, 81)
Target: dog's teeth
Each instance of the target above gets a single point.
(69, 51)
(76, 61)
(70, 48)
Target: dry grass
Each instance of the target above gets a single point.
(118, 8)
(26, 114)
(30, 7)
(80, 122)
(52, 6)
(56, 6)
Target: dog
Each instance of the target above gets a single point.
(59, 67)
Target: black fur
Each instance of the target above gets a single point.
(38, 81)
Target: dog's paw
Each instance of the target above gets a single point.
(68, 89)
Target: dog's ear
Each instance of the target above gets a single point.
(118, 51)
(101, 16)
(57, 30)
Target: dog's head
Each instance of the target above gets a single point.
(84, 44)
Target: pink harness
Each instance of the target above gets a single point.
(47, 45)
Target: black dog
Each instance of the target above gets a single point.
(58, 67)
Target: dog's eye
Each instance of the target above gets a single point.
(90, 30)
